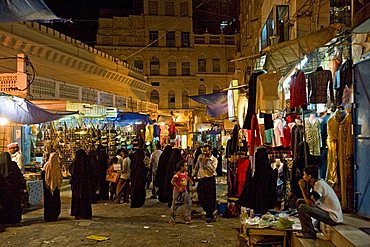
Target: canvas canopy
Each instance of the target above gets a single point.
(25, 10)
(285, 53)
(128, 118)
(21, 111)
(216, 103)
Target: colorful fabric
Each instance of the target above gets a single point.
(298, 96)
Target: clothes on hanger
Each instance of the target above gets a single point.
(270, 94)
(251, 98)
(298, 96)
(297, 136)
(313, 135)
(319, 83)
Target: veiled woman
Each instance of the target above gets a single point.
(11, 189)
(52, 180)
(161, 171)
(175, 158)
(81, 185)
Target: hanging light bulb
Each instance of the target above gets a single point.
(3, 121)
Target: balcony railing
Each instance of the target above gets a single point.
(221, 39)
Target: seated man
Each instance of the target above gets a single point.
(321, 204)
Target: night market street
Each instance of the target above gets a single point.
(124, 226)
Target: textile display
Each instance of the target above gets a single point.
(298, 96)
(241, 174)
(270, 94)
(313, 136)
(332, 143)
(35, 192)
(319, 83)
(252, 87)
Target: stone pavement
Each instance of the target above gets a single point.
(125, 226)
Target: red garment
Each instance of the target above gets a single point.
(254, 137)
(181, 179)
(241, 172)
(287, 136)
(298, 96)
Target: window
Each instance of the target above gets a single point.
(202, 89)
(169, 8)
(184, 9)
(216, 65)
(153, 8)
(153, 38)
(216, 89)
(185, 99)
(154, 66)
(171, 99)
(282, 15)
(154, 97)
(185, 68)
(170, 39)
(155, 83)
(185, 39)
(139, 64)
(202, 65)
(230, 67)
(171, 68)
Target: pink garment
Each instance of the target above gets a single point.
(241, 172)
(278, 132)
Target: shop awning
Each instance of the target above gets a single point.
(216, 103)
(21, 111)
(25, 10)
(285, 53)
(128, 118)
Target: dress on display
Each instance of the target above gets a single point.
(298, 96)
(313, 136)
(332, 143)
(319, 83)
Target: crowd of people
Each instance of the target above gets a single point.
(126, 178)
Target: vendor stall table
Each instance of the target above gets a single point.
(35, 191)
(250, 232)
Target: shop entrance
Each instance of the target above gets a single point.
(362, 137)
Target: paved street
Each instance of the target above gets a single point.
(147, 226)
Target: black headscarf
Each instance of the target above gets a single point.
(167, 187)
(137, 175)
(162, 167)
(5, 160)
(81, 171)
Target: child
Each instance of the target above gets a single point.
(180, 194)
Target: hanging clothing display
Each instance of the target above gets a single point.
(345, 153)
(297, 137)
(251, 98)
(313, 136)
(241, 174)
(270, 94)
(298, 96)
(343, 77)
(287, 136)
(278, 132)
(261, 125)
(242, 109)
(332, 143)
(319, 83)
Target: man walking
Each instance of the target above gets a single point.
(154, 159)
(205, 169)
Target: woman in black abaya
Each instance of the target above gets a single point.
(138, 177)
(175, 158)
(101, 172)
(52, 181)
(161, 171)
(81, 185)
(12, 185)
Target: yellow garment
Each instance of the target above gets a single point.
(313, 136)
(332, 142)
(53, 172)
(270, 94)
(345, 152)
(149, 133)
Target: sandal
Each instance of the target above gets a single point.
(304, 235)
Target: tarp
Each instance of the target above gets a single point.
(216, 103)
(285, 53)
(25, 10)
(128, 118)
(21, 111)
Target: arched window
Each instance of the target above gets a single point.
(202, 63)
(154, 66)
(185, 66)
(154, 96)
(185, 99)
(171, 99)
(216, 89)
(202, 89)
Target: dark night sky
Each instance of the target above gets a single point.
(85, 13)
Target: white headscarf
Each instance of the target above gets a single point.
(53, 173)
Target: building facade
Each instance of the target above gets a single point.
(176, 61)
